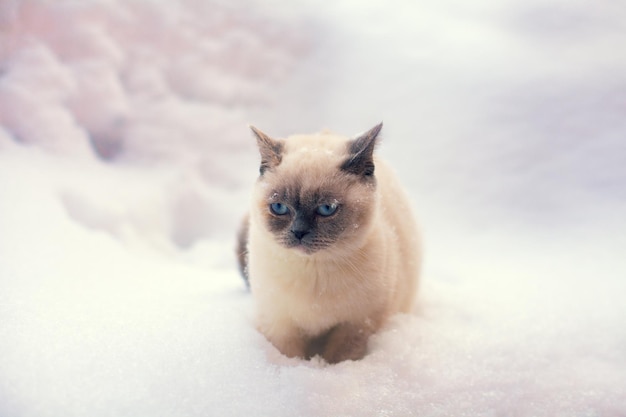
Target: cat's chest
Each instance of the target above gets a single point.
(315, 295)
(317, 280)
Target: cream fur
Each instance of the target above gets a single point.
(362, 281)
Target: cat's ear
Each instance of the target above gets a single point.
(271, 150)
(361, 153)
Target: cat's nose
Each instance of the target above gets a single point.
(299, 234)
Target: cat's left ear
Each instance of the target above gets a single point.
(271, 150)
(361, 158)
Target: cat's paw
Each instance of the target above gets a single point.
(346, 341)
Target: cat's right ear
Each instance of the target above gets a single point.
(361, 150)
(271, 150)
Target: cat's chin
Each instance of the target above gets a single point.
(302, 249)
(307, 250)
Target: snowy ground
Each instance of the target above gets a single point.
(125, 165)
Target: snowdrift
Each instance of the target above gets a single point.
(126, 163)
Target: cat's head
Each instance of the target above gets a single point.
(317, 193)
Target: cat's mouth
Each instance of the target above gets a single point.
(304, 246)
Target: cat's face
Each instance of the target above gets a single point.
(314, 217)
(316, 193)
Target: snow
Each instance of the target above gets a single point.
(126, 164)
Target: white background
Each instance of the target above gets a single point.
(126, 164)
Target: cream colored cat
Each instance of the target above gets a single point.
(330, 246)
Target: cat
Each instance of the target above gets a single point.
(329, 248)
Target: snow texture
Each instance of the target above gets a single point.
(126, 164)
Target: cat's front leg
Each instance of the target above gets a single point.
(346, 341)
(290, 341)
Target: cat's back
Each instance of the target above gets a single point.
(401, 232)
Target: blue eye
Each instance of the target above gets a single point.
(279, 209)
(326, 209)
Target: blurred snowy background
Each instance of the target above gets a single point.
(126, 163)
